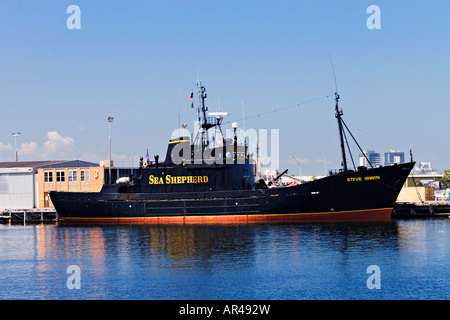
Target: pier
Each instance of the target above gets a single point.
(35, 215)
(425, 209)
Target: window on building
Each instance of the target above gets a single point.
(72, 176)
(48, 176)
(60, 176)
(84, 175)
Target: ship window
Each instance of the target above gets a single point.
(72, 176)
(48, 176)
(60, 176)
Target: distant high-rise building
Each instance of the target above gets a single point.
(374, 158)
(394, 156)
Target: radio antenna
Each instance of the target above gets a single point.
(338, 114)
(334, 73)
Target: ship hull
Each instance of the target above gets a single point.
(366, 195)
(357, 215)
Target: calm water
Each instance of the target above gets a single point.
(278, 261)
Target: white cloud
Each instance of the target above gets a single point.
(57, 143)
(55, 147)
(324, 161)
(28, 148)
(5, 147)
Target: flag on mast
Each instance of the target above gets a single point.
(145, 163)
(192, 106)
(191, 96)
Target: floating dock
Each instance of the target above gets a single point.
(425, 209)
(35, 215)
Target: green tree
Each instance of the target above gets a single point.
(446, 178)
(417, 182)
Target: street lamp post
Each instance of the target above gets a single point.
(15, 135)
(299, 165)
(110, 119)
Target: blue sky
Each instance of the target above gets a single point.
(139, 60)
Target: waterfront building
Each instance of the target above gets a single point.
(20, 182)
(424, 172)
(27, 184)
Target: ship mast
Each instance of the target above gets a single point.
(341, 124)
(205, 123)
(338, 115)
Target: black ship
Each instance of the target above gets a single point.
(201, 182)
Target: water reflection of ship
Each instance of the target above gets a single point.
(197, 246)
(187, 246)
(147, 252)
(203, 183)
(175, 261)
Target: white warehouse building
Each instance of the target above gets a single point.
(16, 188)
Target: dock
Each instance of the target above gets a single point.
(424, 209)
(34, 215)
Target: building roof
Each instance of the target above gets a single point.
(34, 165)
(27, 164)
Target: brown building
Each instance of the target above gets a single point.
(76, 176)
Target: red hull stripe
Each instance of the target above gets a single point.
(356, 215)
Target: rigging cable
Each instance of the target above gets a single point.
(416, 187)
(282, 108)
(348, 147)
(365, 156)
